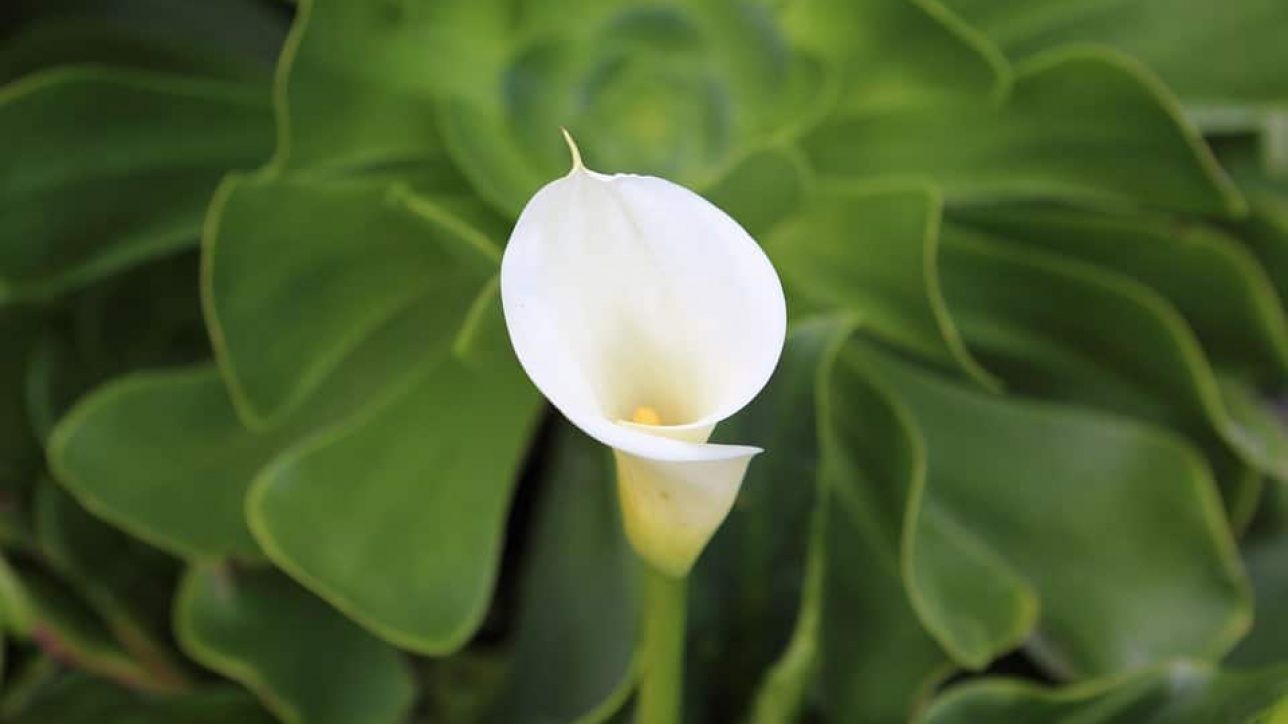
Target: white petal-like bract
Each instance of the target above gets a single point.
(646, 315)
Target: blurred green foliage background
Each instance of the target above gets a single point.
(265, 452)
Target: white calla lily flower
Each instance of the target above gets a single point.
(646, 315)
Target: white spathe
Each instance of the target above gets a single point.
(646, 315)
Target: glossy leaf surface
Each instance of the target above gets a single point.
(1181, 694)
(1014, 487)
(1045, 139)
(303, 659)
(414, 490)
(135, 189)
(579, 606)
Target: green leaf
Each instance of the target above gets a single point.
(79, 699)
(305, 661)
(162, 456)
(1210, 277)
(745, 593)
(43, 609)
(680, 90)
(15, 605)
(1266, 233)
(243, 31)
(868, 461)
(579, 599)
(146, 317)
(883, 55)
(1179, 694)
(1266, 229)
(128, 585)
(873, 471)
(1077, 123)
(1272, 514)
(1158, 580)
(134, 189)
(1098, 338)
(874, 253)
(291, 295)
(397, 517)
(1243, 487)
(760, 190)
(1230, 52)
(355, 80)
(75, 40)
(1267, 642)
(974, 603)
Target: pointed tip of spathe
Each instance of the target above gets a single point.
(577, 165)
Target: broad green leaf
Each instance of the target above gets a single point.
(1223, 292)
(1272, 514)
(783, 691)
(1101, 338)
(355, 82)
(162, 456)
(1259, 417)
(681, 90)
(884, 55)
(305, 661)
(245, 31)
(868, 459)
(1266, 228)
(149, 316)
(128, 585)
(1243, 489)
(482, 148)
(145, 317)
(1207, 52)
(302, 276)
(1266, 233)
(874, 253)
(678, 90)
(134, 189)
(963, 594)
(74, 40)
(575, 627)
(760, 190)
(1178, 694)
(1267, 642)
(876, 661)
(79, 699)
(1157, 579)
(1079, 123)
(397, 518)
(745, 593)
(967, 595)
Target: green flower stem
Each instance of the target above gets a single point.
(661, 655)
